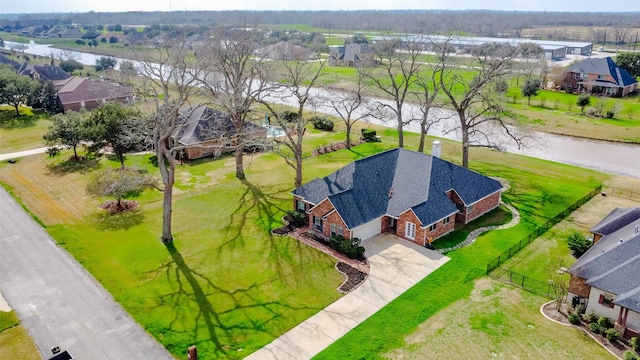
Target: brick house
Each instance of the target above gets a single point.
(415, 196)
(606, 278)
(599, 76)
(76, 93)
(204, 131)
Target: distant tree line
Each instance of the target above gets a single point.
(481, 22)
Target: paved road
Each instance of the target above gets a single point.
(22, 153)
(58, 301)
(396, 265)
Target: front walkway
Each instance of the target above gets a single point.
(395, 266)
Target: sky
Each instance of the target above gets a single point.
(36, 6)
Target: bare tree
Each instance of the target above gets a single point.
(477, 108)
(351, 105)
(426, 93)
(234, 80)
(559, 286)
(620, 35)
(398, 61)
(65, 55)
(171, 81)
(295, 80)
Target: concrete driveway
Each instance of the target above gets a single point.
(58, 301)
(396, 265)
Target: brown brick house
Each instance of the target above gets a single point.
(599, 76)
(606, 279)
(415, 196)
(76, 93)
(204, 131)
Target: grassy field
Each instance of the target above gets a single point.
(496, 321)
(542, 258)
(23, 132)
(15, 342)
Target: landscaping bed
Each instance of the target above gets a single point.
(354, 277)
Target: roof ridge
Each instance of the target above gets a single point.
(615, 268)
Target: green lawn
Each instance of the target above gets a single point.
(496, 321)
(15, 342)
(23, 132)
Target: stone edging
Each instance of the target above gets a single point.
(577, 327)
(477, 232)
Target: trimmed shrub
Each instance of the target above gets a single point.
(574, 319)
(612, 335)
(581, 309)
(350, 248)
(635, 344)
(322, 123)
(289, 116)
(594, 327)
(297, 216)
(610, 114)
(369, 135)
(628, 355)
(605, 322)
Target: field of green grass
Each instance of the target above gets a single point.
(23, 132)
(496, 321)
(15, 342)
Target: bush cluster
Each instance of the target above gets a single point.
(297, 216)
(574, 319)
(322, 123)
(612, 334)
(350, 248)
(368, 135)
(578, 244)
(635, 344)
(628, 355)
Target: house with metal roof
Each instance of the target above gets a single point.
(606, 278)
(415, 196)
(599, 76)
(353, 54)
(204, 131)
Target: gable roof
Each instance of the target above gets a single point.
(45, 72)
(202, 123)
(613, 263)
(604, 66)
(5, 60)
(391, 182)
(350, 52)
(76, 89)
(616, 219)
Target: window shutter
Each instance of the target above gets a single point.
(601, 299)
(611, 305)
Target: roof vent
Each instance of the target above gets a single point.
(391, 193)
(636, 229)
(436, 150)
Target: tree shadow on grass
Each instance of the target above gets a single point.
(261, 205)
(242, 316)
(82, 166)
(9, 120)
(105, 220)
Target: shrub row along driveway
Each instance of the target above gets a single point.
(396, 265)
(58, 301)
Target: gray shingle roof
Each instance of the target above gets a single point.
(394, 181)
(613, 263)
(616, 219)
(604, 66)
(202, 123)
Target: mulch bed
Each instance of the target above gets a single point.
(290, 226)
(112, 205)
(616, 347)
(354, 277)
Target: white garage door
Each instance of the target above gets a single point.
(368, 230)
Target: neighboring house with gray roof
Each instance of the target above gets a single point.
(415, 196)
(52, 73)
(285, 50)
(606, 279)
(351, 55)
(599, 76)
(204, 131)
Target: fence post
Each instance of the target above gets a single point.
(523, 281)
(511, 277)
